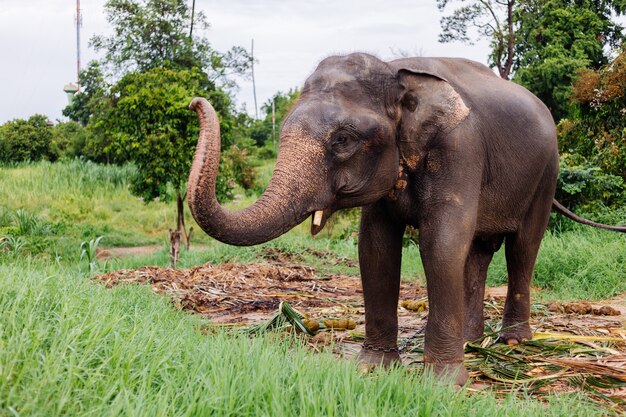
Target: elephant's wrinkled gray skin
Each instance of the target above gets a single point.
(440, 144)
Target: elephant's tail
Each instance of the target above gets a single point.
(564, 211)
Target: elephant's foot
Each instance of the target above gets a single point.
(449, 372)
(515, 334)
(371, 357)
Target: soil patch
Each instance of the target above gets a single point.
(570, 351)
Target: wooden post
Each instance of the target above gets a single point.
(174, 247)
(180, 218)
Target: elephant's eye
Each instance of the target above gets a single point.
(344, 142)
(341, 139)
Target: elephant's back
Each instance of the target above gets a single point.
(449, 69)
(494, 103)
(475, 82)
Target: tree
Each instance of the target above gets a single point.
(593, 144)
(26, 140)
(597, 137)
(558, 38)
(69, 139)
(93, 92)
(157, 64)
(148, 123)
(489, 19)
(157, 33)
(541, 44)
(262, 130)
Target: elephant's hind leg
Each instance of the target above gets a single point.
(480, 255)
(521, 253)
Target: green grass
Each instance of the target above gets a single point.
(582, 263)
(69, 346)
(79, 201)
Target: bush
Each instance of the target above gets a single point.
(593, 143)
(581, 184)
(27, 140)
(235, 168)
(598, 133)
(69, 140)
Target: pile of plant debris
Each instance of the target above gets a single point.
(576, 346)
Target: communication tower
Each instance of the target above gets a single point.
(79, 23)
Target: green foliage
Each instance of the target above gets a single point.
(599, 133)
(261, 130)
(150, 34)
(242, 171)
(25, 233)
(94, 89)
(89, 252)
(487, 19)
(587, 185)
(593, 145)
(148, 123)
(164, 62)
(69, 139)
(543, 44)
(36, 138)
(27, 140)
(556, 39)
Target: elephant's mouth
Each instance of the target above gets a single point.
(319, 218)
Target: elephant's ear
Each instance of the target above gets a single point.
(429, 105)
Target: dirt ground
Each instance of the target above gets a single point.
(576, 346)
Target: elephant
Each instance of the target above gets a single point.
(441, 144)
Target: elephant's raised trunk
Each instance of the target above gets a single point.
(286, 202)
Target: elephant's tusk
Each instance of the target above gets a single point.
(317, 218)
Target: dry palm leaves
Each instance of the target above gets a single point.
(572, 350)
(228, 292)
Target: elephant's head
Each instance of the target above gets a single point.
(340, 146)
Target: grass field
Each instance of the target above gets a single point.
(71, 347)
(68, 346)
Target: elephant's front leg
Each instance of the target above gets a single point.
(444, 246)
(380, 255)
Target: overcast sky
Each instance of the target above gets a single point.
(38, 42)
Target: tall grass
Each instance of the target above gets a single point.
(81, 200)
(583, 263)
(70, 347)
(76, 178)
